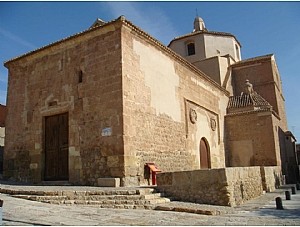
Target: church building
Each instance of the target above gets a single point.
(106, 103)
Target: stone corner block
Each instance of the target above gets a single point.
(108, 182)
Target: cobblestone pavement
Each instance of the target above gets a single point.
(260, 211)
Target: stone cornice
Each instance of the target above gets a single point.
(252, 61)
(253, 112)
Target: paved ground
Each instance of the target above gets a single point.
(260, 211)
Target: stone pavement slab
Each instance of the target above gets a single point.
(260, 211)
(195, 208)
(24, 212)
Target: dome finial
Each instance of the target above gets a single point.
(198, 23)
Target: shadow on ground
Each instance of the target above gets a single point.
(286, 213)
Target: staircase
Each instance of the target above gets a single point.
(141, 198)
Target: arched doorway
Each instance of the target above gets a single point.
(204, 154)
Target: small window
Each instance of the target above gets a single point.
(191, 48)
(80, 76)
(237, 50)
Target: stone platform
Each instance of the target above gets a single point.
(123, 198)
(103, 197)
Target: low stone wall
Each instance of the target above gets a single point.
(271, 177)
(226, 186)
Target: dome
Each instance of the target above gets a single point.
(199, 24)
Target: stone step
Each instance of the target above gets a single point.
(70, 192)
(112, 200)
(40, 198)
(56, 183)
(145, 198)
(99, 202)
(145, 191)
(153, 196)
(93, 197)
(66, 196)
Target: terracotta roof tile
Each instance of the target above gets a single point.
(254, 101)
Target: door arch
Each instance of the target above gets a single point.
(204, 154)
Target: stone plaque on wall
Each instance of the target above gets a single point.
(193, 116)
(213, 124)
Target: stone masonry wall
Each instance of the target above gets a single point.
(226, 186)
(80, 76)
(271, 177)
(251, 140)
(157, 127)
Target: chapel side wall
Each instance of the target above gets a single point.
(251, 139)
(47, 83)
(158, 93)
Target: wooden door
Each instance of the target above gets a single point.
(57, 147)
(204, 155)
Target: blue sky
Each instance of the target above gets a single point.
(261, 27)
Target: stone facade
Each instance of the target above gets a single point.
(225, 186)
(129, 100)
(157, 127)
(47, 83)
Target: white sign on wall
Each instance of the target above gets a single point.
(106, 132)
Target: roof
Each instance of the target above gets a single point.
(253, 60)
(205, 32)
(251, 101)
(290, 134)
(94, 26)
(137, 30)
(98, 22)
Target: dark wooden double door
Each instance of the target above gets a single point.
(57, 147)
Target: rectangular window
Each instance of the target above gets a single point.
(80, 77)
(191, 49)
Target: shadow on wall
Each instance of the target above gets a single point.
(278, 180)
(288, 158)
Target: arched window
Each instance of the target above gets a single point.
(204, 154)
(190, 49)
